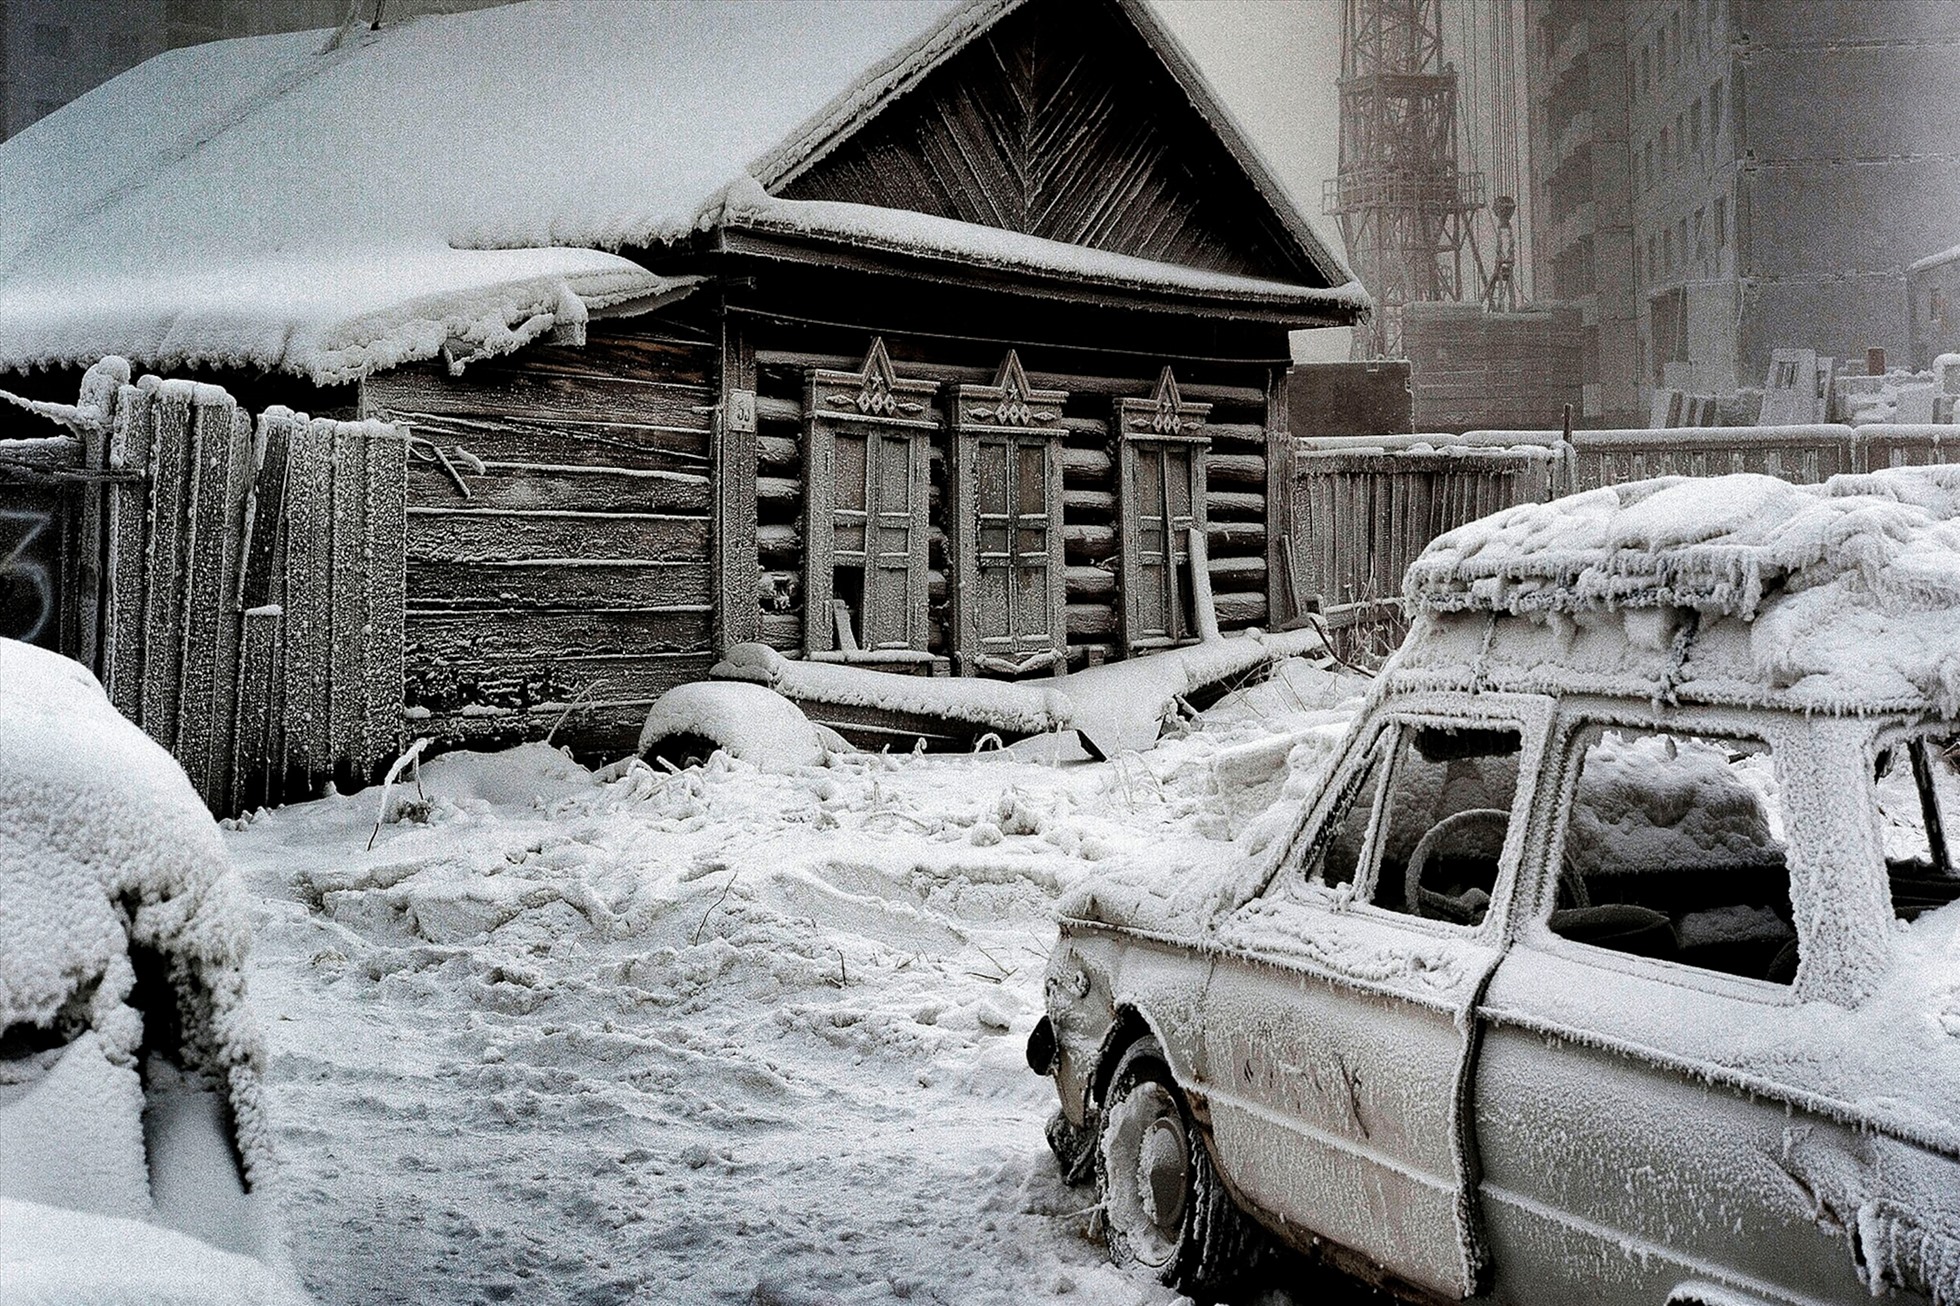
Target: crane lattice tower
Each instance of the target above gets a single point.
(1403, 201)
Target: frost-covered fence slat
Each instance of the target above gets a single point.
(256, 772)
(386, 546)
(120, 659)
(220, 472)
(308, 592)
(347, 604)
(163, 624)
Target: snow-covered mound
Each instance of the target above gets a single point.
(55, 1257)
(105, 848)
(1849, 590)
(744, 720)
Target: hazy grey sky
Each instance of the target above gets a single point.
(1274, 63)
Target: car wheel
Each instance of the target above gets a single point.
(1165, 1210)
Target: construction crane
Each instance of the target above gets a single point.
(1406, 202)
(1403, 201)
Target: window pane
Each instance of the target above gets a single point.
(1918, 793)
(1339, 855)
(1675, 849)
(1449, 805)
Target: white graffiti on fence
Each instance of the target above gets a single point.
(26, 584)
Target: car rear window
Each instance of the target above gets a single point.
(1917, 788)
(1674, 849)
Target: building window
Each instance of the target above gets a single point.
(1667, 251)
(1674, 26)
(1660, 54)
(1667, 149)
(1681, 241)
(1694, 129)
(1935, 304)
(1653, 259)
(1715, 112)
(1721, 221)
(1680, 138)
(1650, 165)
(1701, 234)
(1646, 68)
(865, 549)
(52, 40)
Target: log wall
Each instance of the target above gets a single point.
(1240, 465)
(559, 511)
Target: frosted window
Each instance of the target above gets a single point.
(1443, 826)
(1674, 848)
(1918, 797)
(1338, 857)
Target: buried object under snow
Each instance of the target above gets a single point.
(1115, 708)
(129, 1067)
(744, 720)
(1618, 956)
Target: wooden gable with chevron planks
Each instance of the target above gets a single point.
(1062, 120)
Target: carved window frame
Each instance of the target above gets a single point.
(1169, 431)
(1014, 414)
(876, 406)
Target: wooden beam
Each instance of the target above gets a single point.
(736, 563)
(1279, 501)
(1112, 386)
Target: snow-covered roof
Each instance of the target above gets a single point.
(1843, 596)
(330, 205)
(1935, 260)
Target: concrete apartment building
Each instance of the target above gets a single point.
(1784, 165)
(1576, 68)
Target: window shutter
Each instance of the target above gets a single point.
(1009, 605)
(1161, 445)
(866, 444)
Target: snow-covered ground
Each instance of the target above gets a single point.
(714, 1035)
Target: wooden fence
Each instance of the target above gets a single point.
(237, 586)
(1366, 507)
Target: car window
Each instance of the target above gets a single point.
(1918, 796)
(1338, 855)
(1674, 848)
(1443, 825)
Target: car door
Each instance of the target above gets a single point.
(1632, 1138)
(1338, 1019)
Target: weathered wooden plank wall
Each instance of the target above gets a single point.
(201, 534)
(558, 519)
(1366, 507)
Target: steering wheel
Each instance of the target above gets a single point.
(1488, 821)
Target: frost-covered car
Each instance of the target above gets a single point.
(133, 1150)
(1615, 959)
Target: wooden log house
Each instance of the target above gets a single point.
(981, 370)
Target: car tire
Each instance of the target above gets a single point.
(1165, 1210)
